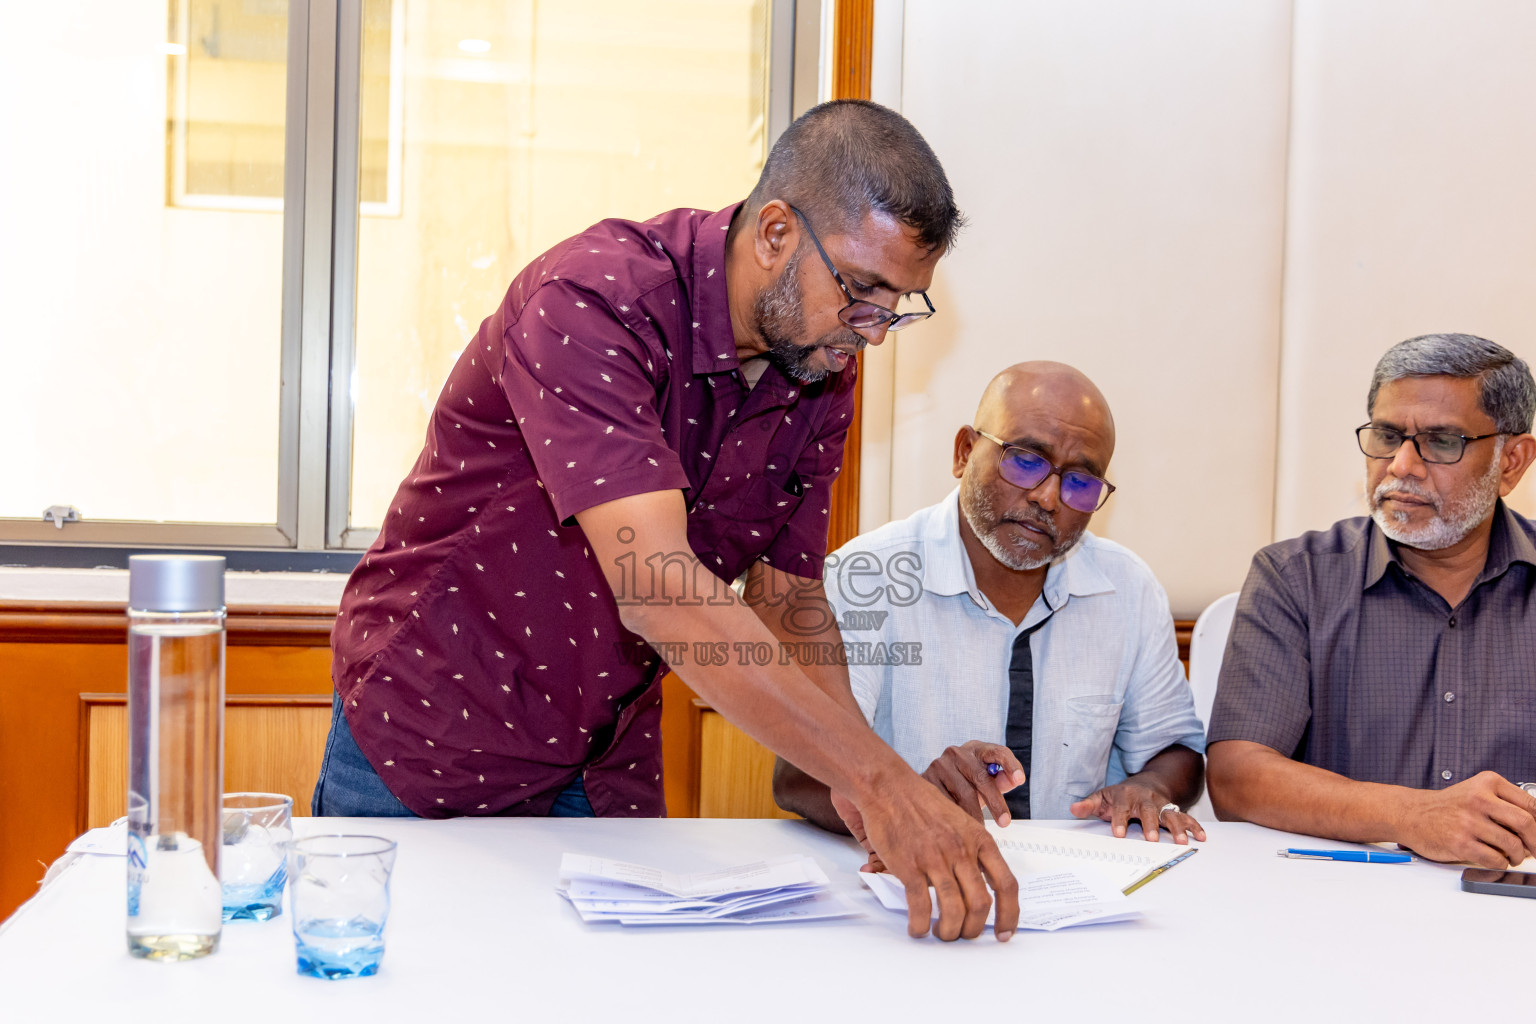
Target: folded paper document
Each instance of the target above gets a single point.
(1047, 902)
(783, 889)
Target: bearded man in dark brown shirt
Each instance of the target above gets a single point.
(1379, 683)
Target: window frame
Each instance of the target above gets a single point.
(319, 286)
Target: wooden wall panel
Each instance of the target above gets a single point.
(275, 745)
(40, 687)
(843, 521)
(104, 765)
(41, 683)
(735, 772)
(853, 49)
(679, 747)
(272, 744)
(94, 622)
(852, 55)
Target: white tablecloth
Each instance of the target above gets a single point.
(478, 933)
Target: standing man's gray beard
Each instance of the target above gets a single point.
(779, 313)
(976, 506)
(1454, 517)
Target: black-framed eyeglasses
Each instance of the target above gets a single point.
(1027, 469)
(859, 314)
(1437, 446)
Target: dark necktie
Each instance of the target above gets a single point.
(1021, 712)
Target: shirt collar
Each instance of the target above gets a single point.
(714, 344)
(1377, 557)
(1508, 543)
(947, 569)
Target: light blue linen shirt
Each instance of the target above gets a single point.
(1110, 692)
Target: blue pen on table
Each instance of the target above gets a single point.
(1359, 856)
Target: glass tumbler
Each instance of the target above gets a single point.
(338, 896)
(257, 830)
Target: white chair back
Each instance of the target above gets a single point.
(1207, 644)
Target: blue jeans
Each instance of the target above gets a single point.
(349, 787)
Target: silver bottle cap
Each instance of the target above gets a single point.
(176, 583)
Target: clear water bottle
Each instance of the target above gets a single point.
(175, 754)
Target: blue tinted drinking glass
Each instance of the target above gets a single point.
(254, 865)
(338, 895)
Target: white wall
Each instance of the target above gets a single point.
(1122, 164)
(1223, 213)
(1412, 209)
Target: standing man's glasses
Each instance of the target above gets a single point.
(1437, 446)
(858, 314)
(1027, 469)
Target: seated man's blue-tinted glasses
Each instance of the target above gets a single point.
(1028, 469)
(1438, 446)
(858, 314)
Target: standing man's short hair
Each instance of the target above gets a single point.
(840, 160)
(1508, 393)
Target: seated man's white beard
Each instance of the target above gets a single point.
(1454, 518)
(976, 504)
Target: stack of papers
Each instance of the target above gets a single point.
(785, 889)
(1047, 901)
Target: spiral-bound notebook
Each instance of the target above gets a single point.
(1030, 850)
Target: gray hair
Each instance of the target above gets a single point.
(1508, 393)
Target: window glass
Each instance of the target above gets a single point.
(141, 342)
(514, 124)
(227, 92)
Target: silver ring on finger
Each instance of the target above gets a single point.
(1170, 806)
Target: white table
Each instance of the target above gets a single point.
(478, 933)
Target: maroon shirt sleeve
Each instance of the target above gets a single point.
(800, 546)
(584, 387)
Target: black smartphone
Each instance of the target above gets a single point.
(1499, 883)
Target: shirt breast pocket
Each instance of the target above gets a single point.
(732, 535)
(1089, 733)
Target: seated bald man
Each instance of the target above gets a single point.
(994, 629)
(1380, 679)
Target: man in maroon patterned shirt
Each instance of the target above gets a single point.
(654, 402)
